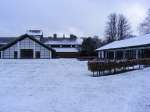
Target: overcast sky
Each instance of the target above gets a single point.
(81, 17)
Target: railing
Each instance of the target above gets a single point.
(101, 67)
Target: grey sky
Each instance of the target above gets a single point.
(81, 17)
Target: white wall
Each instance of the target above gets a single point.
(26, 44)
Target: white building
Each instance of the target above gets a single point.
(26, 47)
(33, 45)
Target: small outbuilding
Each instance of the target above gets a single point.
(131, 48)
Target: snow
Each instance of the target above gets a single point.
(64, 85)
(135, 41)
(34, 32)
(64, 42)
(3, 43)
(66, 49)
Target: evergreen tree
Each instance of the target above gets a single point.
(88, 47)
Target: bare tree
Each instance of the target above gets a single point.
(145, 25)
(117, 28)
(123, 27)
(111, 28)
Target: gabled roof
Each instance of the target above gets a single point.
(23, 37)
(131, 42)
(6, 40)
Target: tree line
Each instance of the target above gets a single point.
(117, 28)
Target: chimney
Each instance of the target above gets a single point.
(63, 35)
(55, 35)
(73, 36)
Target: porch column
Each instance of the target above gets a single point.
(105, 54)
(1, 54)
(34, 51)
(114, 55)
(102, 54)
(124, 54)
(50, 54)
(18, 48)
(137, 52)
(99, 54)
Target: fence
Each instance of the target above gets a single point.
(101, 67)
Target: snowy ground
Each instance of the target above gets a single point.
(66, 86)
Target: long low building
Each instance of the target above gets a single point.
(65, 47)
(131, 48)
(34, 46)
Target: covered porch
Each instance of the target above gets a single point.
(125, 54)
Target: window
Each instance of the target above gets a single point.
(119, 55)
(130, 54)
(57, 46)
(66, 46)
(110, 55)
(74, 46)
(38, 54)
(15, 54)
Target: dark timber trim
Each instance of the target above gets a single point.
(30, 37)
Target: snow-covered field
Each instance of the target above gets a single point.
(67, 86)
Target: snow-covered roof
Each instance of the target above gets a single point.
(34, 32)
(135, 41)
(6, 40)
(3, 43)
(66, 49)
(64, 42)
